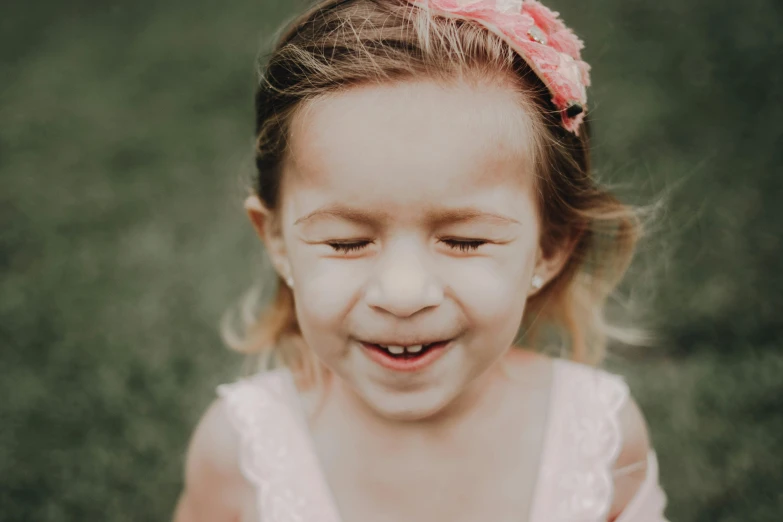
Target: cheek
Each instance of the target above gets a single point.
(495, 289)
(326, 290)
(492, 293)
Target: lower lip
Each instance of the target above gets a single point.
(412, 364)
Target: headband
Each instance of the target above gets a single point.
(539, 36)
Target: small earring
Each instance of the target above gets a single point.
(537, 281)
(289, 281)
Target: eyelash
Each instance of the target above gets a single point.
(462, 245)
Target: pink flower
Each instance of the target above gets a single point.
(551, 49)
(514, 27)
(585, 69)
(566, 42)
(545, 59)
(545, 18)
(463, 7)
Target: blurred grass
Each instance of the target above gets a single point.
(126, 139)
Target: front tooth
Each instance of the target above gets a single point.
(396, 350)
(416, 348)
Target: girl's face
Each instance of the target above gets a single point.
(407, 217)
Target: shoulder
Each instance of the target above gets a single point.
(629, 468)
(214, 446)
(636, 439)
(214, 486)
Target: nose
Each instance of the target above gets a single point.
(402, 284)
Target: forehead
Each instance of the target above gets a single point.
(409, 141)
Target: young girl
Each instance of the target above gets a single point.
(425, 196)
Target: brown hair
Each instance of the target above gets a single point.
(339, 44)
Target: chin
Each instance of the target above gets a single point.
(407, 406)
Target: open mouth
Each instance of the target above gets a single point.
(406, 352)
(405, 358)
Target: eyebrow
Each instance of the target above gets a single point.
(436, 217)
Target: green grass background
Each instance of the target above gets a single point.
(125, 146)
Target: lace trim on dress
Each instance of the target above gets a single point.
(274, 454)
(585, 440)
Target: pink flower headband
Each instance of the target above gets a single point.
(541, 39)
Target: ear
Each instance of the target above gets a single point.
(549, 265)
(267, 226)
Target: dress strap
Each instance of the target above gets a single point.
(583, 441)
(276, 455)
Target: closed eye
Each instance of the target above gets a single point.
(349, 247)
(464, 245)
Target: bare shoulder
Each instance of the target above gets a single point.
(636, 438)
(631, 465)
(214, 447)
(214, 487)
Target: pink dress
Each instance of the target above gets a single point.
(575, 478)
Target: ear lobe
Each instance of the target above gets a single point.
(548, 268)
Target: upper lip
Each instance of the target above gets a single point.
(407, 342)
